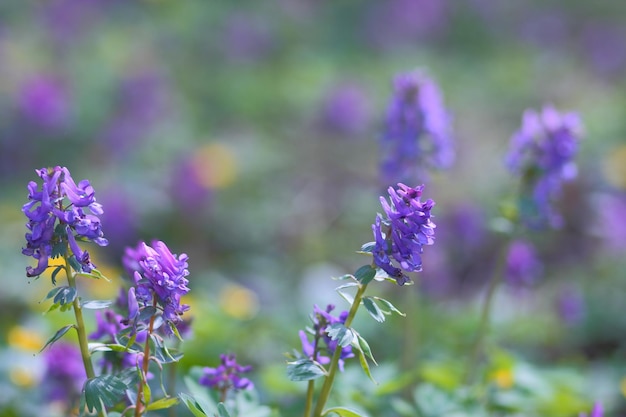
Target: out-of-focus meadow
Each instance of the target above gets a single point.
(246, 134)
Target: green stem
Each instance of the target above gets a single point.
(139, 407)
(309, 398)
(332, 370)
(80, 324)
(483, 327)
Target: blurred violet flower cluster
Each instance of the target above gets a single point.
(227, 376)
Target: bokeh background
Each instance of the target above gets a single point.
(246, 134)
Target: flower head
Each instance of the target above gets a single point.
(60, 201)
(417, 133)
(227, 375)
(314, 350)
(400, 237)
(542, 153)
(160, 280)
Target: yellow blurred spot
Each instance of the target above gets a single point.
(622, 386)
(215, 166)
(615, 167)
(24, 339)
(22, 377)
(503, 377)
(239, 302)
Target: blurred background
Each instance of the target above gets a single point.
(246, 134)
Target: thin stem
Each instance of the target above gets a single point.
(309, 398)
(483, 327)
(144, 368)
(80, 324)
(332, 370)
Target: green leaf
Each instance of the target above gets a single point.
(433, 402)
(343, 335)
(362, 358)
(222, 411)
(342, 411)
(53, 292)
(104, 391)
(162, 403)
(94, 274)
(365, 274)
(368, 247)
(304, 370)
(56, 271)
(199, 393)
(364, 347)
(192, 405)
(344, 277)
(373, 309)
(59, 334)
(147, 393)
(76, 266)
(65, 295)
(390, 307)
(110, 347)
(96, 304)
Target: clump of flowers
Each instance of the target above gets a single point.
(418, 133)
(61, 213)
(227, 376)
(542, 153)
(314, 350)
(160, 281)
(401, 235)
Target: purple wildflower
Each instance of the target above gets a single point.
(596, 411)
(321, 320)
(159, 278)
(44, 101)
(417, 134)
(542, 153)
(522, 264)
(345, 110)
(400, 237)
(48, 205)
(226, 376)
(65, 373)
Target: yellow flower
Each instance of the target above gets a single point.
(239, 302)
(22, 338)
(502, 377)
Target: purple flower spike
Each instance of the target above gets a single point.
(542, 153)
(60, 201)
(401, 236)
(418, 130)
(227, 375)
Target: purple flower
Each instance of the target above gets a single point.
(522, 264)
(44, 101)
(160, 279)
(345, 110)
(313, 349)
(596, 411)
(227, 375)
(417, 133)
(49, 205)
(400, 236)
(65, 373)
(542, 153)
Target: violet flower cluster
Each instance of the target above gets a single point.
(418, 133)
(313, 349)
(402, 234)
(542, 153)
(228, 375)
(60, 213)
(160, 281)
(65, 375)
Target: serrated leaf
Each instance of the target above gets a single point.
(391, 308)
(342, 411)
(65, 295)
(96, 304)
(365, 274)
(342, 334)
(222, 411)
(59, 334)
(304, 370)
(162, 403)
(104, 391)
(192, 405)
(373, 309)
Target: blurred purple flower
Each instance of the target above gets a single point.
(67, 20)
(418, 133)
(65, 373)
(45, 101)
(570, 305)
(522, 264)
(346, 110)
(596, 411)
(611, 225)
(605, 47)
(187, 188)
(226, 376)
(312, 349)
(159, 277)
(542, 153)
(403, 233)
(46, 206)
(246, 38)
